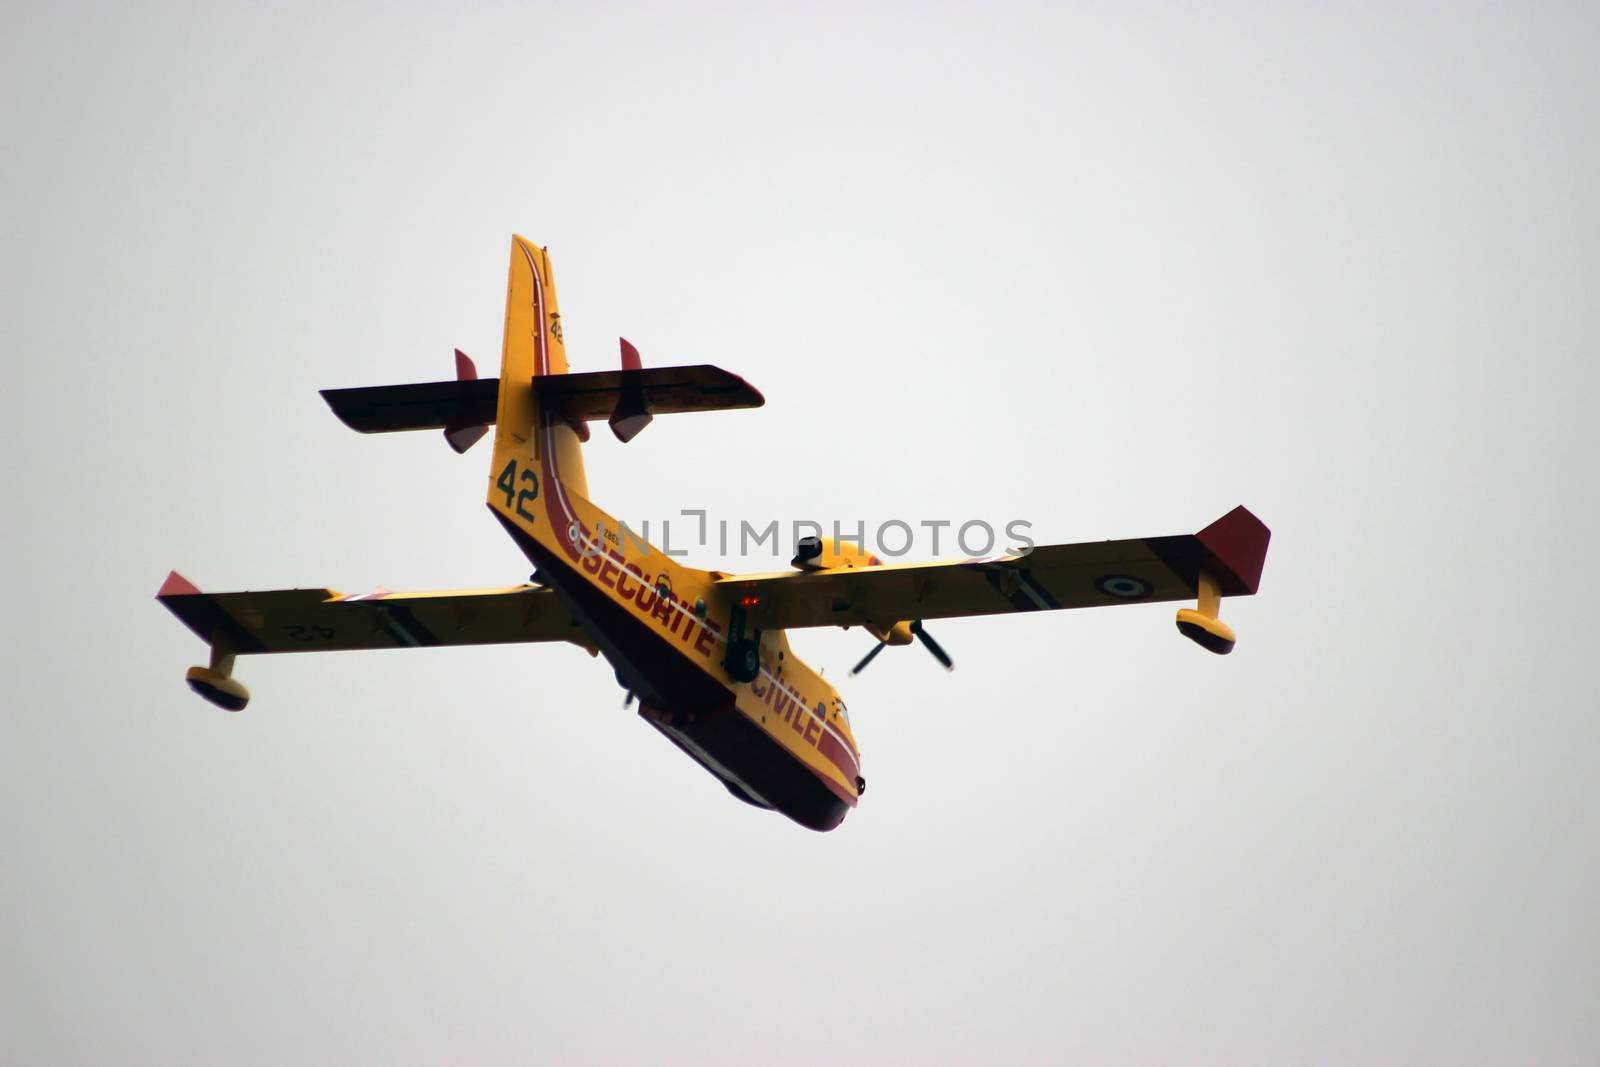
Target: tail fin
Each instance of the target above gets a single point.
(534, 348)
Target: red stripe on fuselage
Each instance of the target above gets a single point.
(812, 727)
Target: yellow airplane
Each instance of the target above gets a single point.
(705, 652)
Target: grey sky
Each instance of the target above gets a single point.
(1111, 268)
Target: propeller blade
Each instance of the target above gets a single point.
(933, 646)
(859, 667)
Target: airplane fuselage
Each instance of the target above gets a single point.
(780, 739)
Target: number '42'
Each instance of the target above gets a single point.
(507, 484)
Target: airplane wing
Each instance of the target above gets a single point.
(321, 620)
(1091, 574)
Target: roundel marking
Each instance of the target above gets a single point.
(1123, 586)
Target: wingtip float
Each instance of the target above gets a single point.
(706, 654)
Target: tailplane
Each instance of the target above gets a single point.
(535, 398)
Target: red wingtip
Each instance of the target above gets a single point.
(466, 370)
(1238, 541)
(177, 585)
(630, 356)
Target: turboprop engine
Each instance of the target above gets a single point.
(826, 553)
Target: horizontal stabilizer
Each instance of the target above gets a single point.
(419, 406)
(664, 391)
(583, 397)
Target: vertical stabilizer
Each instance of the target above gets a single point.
(533, 348)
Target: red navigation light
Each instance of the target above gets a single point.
(749, 600)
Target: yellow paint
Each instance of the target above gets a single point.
(1200, 623)
(1210, 596)
(839, 554)
(898, 634)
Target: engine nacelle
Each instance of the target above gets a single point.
(824, 553)
(898, 634)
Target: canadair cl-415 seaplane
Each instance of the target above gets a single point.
(705, 653)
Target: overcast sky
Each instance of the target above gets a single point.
(1111, 269)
